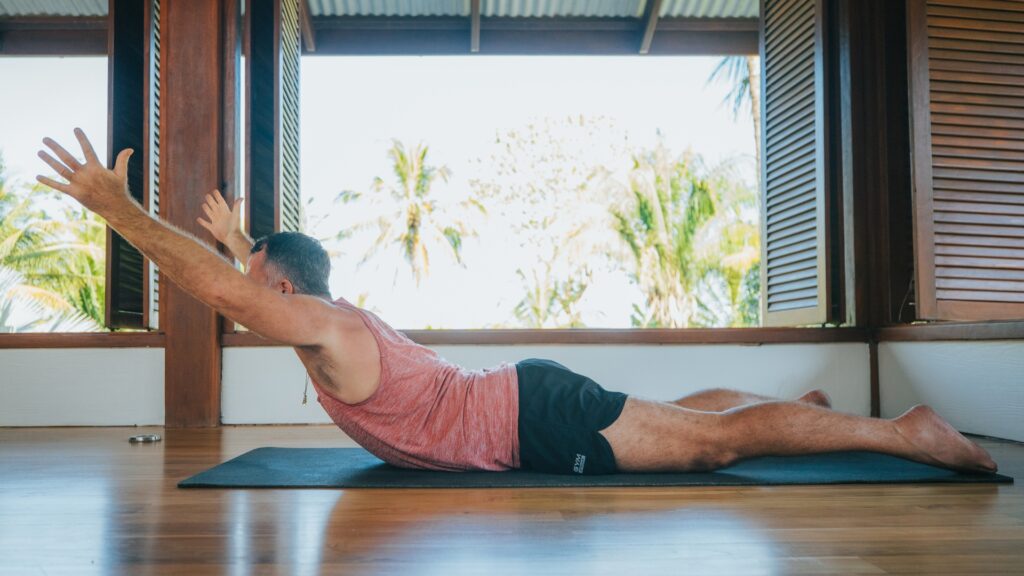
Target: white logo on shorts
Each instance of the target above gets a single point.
(577, 466)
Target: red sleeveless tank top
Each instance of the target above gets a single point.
(428, 412)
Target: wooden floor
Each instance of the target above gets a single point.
(82, 500)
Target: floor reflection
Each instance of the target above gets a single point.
(446, 532)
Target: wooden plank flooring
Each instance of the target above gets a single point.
(84, 501)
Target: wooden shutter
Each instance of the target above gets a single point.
(967, 90)
(133, 122)
(272, 88)
(793, 179)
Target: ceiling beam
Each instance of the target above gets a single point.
(650, 18)
(56, 36)
(525, 36)
(474, 27)
(306, 23)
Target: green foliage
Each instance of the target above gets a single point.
(690, 243)
(55, 251)
(735, 71)
(684, 234)
(407, 213)
(548, 188)
(660, 223)
(550, 303)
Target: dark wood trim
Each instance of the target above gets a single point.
(474, 26)
(306, 23)
(606, 336)
(650, 18)
(233, 121)
(952, 331)
(876, 401)
(533, 36)
(920, 120)
(83, 340)
(53, 36)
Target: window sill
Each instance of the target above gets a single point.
(938, 331)
(83, 340)
(605, 336)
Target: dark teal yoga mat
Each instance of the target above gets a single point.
(357, 468)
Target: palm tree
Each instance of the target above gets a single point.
(743, 73)
(58, 261)
(660, 225)
(413, 218)
(550, 302)
(728, 251)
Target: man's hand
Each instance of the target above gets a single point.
(223, 221)
(225, 224)
(95, 187)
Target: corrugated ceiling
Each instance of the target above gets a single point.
(53, 8)
(489, 8)
(709, 9)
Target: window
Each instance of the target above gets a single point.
(535, 192)
(52, 251)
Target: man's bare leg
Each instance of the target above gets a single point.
(721, 399)
(658, 436)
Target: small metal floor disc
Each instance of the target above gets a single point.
(144, 438)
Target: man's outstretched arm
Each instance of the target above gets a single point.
(292, 319)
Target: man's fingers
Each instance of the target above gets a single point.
(62, 153)
(90, 154)
(121, 164)
(54, 184)
(219, 198)
(205, 224)
(56, 165)
(237, 206)
(208, 211)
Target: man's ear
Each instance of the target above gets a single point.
(285, 286)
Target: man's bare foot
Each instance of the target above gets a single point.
(936, 442)
(817, 397)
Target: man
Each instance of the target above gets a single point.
(411, 408)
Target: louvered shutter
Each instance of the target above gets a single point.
(793, 211)
(272, 87)
(134, 122)
(967, 90)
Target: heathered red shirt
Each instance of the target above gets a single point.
(428, 412)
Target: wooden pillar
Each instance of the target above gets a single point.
(197, 155)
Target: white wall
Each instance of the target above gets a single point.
(81, 387)
(977, 386)
(264, 385)
(55, 387)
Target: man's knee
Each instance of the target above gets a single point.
(709, 460)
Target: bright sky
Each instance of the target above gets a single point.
(353, 107)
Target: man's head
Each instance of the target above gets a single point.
(292, 263)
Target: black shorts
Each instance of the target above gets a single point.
(560, 413)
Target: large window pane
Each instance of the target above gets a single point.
(535, 192)
(51, 249)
